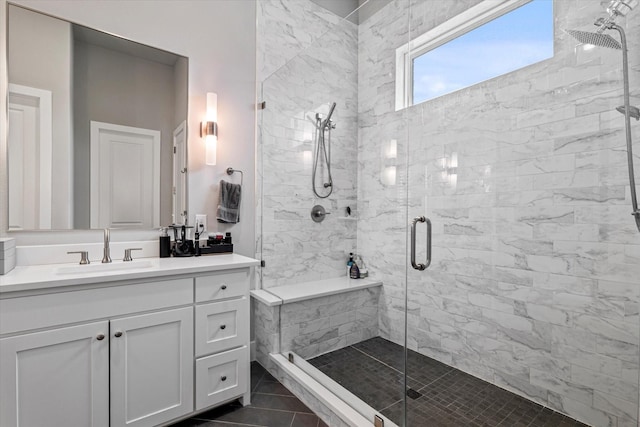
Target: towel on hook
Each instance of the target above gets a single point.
(229, 205)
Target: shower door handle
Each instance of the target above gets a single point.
(420, 266)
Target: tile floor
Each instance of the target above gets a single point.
(440, 395)
(272, 405)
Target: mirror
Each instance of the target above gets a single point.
(97, 128)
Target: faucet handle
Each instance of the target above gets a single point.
(84, 256)
(127, 253)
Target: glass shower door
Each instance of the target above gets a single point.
(528, 312)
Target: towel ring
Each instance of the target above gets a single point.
(231, 171)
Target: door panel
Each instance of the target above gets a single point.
(151, 367)
(29, 158)
(46, 373)
(125, 176)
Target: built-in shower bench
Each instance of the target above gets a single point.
(315, 317)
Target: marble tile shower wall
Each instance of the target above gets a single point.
(306, 61)
(535, 280)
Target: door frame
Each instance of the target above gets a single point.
(180, 172)
(45, 144)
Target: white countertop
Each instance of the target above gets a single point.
(303, 291)
(49, 276)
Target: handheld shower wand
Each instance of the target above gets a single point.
(323, 150)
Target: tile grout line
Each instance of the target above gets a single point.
(387, 365)
(451, 369)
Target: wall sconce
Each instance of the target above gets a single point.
(209, 129)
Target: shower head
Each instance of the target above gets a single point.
(596, 39)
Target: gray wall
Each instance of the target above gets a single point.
(43, 59)
(122, 89)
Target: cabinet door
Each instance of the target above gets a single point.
(151, 367)
(56, 378)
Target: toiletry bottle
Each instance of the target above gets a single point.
(165, 243)
(349, 264)
(196, 244)
(354, 272)
(363, 268)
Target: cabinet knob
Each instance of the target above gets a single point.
(223, 378)
(118, 334)
(100, 337)
(223, 287)
(223, 326)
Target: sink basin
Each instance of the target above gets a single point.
(103, 268)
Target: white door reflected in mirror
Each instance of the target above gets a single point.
(125, 178)
(29, 158)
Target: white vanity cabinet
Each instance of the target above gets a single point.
(125, 353)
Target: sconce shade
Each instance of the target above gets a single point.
(209, 129)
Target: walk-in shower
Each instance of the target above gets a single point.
(616, 9)
(322, 154)
(528, 311)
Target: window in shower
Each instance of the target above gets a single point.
(488, 40)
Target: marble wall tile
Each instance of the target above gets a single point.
(319, 325)
(307, 60)
(534, 282)
(535, 253)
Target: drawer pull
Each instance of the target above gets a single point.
(223, 378)
(118, 334)
(223, 326)
(223, 287)
(100, 337)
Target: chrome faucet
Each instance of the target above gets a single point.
(106, 258)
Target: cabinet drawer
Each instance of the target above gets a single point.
(225, 284)
(221, 377)
(221, 326)
(41, 311)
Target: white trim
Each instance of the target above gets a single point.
(45, 146)
(320, 392)
(96, 127)
(175, 212)
(340, 392)
(468, 20)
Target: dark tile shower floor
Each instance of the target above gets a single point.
(439, 394)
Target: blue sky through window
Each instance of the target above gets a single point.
(519, 38)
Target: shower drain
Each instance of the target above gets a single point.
(413, 394)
